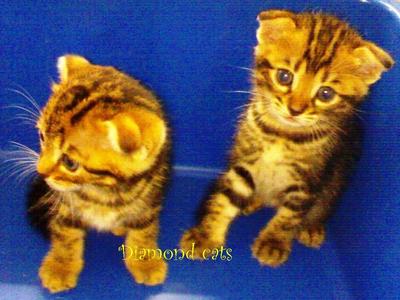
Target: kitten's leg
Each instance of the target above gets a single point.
(274, 243)
(63, 263)
(256, 205)
(312, 236)
(234, 193)
(149, 270)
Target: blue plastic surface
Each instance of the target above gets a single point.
(190, 52)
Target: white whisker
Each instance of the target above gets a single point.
(32, 113)
(27, 96)
(25, 117)
(18, 164)
(241, 68)
(35, 103)
(244, 92)
(24, 147)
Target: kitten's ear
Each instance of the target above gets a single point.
(68, 64)
(137, 131)
(372, 61)
(124, 133)
(274, 24)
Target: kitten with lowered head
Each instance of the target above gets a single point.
(105, 156)
(299, 136)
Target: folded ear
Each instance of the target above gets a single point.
(274, 24)
(137, 129)
(371, 62)
(123, 133)
(68, 64)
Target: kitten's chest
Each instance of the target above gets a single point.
(96, 212)
(273, 172)
(100, 218)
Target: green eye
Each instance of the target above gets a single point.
(326, 94)
(69, 163)
(284, 77)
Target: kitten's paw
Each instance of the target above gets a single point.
(58, 276)
(271, 251)
(197, 240)
(148, 272)
(312, 237)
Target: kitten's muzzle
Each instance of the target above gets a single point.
(44, 167)
(295, 111)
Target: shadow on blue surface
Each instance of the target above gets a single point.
(190, 54)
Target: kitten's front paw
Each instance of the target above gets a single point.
(197, 240)
(148, 272)
(312, 237)
(57, 275)
(271, 251)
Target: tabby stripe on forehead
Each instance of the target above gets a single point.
(306, 54)
(71, 105)
(135, 101)
(61, 133)
(297, 65)
(107, 100)
(332, 50)
(315, 42)
(80, 114)
(79, 93)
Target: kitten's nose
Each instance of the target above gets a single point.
(295, 111)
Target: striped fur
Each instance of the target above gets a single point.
(293, 149)
(105, 155)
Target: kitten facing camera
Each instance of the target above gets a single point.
(299, 138)
(105, 156)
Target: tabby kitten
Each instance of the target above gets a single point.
(104, 153)
(299, 137)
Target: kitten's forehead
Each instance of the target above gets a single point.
(324, 36)
(73, 100)
(315, 39)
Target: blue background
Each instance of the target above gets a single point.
(190, 54)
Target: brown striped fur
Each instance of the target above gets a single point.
(105, 154)
(293, 150)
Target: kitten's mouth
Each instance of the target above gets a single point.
(290, 121)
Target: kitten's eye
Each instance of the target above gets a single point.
(284, 77)
(69, 163)
(326, 93)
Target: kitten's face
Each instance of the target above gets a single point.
(89, 136)
(312, 70)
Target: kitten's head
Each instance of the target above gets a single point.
(312, 70)
(91, 131)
